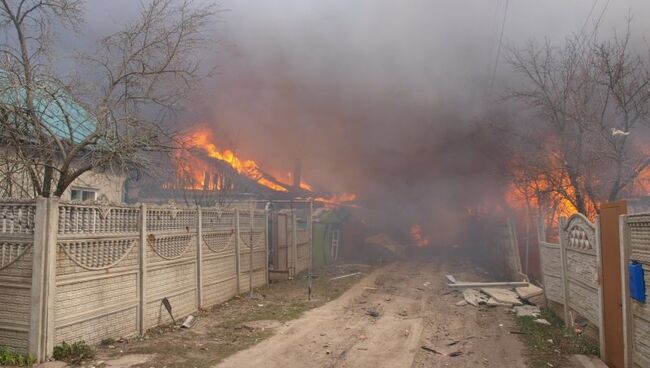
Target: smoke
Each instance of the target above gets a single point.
(381, 98)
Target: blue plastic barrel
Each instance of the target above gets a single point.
(637, 282)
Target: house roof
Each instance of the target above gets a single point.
(55, 108)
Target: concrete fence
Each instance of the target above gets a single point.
(571, 269)
(73, 271)
(635, 246)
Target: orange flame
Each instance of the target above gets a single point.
(196, 171)
(416, 235)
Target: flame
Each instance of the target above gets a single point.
(559, 198)
(416, 235)
(338, 200)
(196, 172)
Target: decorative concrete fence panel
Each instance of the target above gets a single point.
(580, 255)
(553, 278)
(571, 270)
(97, 272)
(635, 246)
(16, 257)
(171, 263)
(89, 271)
(219, 247)
(252, 249)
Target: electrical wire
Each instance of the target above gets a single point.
(496, 61)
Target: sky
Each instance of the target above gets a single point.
(376, 97)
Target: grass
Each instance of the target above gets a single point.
(11, 358)
(73, 353)
(552, 344)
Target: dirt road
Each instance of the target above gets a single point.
(385, 319)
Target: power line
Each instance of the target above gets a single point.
(496, 61)
(494, 33)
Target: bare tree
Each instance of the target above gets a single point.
(592, 103)
(139, 75)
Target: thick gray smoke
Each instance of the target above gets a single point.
(377, 97)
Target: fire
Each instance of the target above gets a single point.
(416, 235)
(337, 200)
(197, 171)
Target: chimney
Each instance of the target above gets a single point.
(297, 168)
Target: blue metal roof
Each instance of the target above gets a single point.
(55, 108)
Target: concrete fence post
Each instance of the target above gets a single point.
(237, 260)
(43, 294)
(142, 262)
(266, 244)
(199, 257)
(310, 261)
(250, 252)
(565, 282)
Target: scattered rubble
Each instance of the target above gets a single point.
(527, 292)
(542, 321)
(189, 322)
(475, 297)
(503, 296)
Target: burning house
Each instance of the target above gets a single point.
(205, 174)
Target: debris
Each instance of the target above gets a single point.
(455, 354)
(451, 279)
(369, 288)
(426, 284)
(527, 292)
(430, 349)
(503, 295)
(344, 276)
(403, 313)
(189, 322)
(542, 321)
(453, 343)
(470, 285)
(527, 311)
(493, 303)
(372, 313)
(474, 297)
(517, 333)
(168, 306)
(462, 303)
